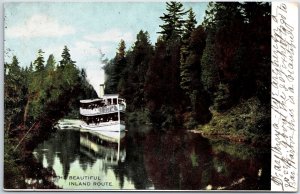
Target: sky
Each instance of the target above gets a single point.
(85, 28)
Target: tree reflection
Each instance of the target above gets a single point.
(133, 167)
(163, 160)
(64, 145)
(176, 161)
(186, 161)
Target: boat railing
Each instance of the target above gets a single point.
(103, 110)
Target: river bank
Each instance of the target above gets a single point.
(21, 169)
(248, 122)
(254, 140)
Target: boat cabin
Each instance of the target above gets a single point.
(107, 99)
(111, 99)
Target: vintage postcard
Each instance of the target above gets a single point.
(151, 96)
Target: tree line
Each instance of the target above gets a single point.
(194, 69)
(35, 98)
(44, 91)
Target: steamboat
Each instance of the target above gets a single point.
(103, 114)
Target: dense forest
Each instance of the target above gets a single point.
(213, 77)
(35, 98)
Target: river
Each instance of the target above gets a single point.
(146, 159)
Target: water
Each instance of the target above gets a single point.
(152, 160)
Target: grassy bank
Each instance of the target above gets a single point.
(249, 122)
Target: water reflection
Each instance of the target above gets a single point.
(105, 145)
(73, 155)
(152, 160)
(188, 161)
(176, 161)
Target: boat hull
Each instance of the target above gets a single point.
(104, 127)
(109, 136)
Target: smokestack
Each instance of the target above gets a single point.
(101, 94)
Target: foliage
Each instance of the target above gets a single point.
(189, 25)
(222, 98)
(216, 64)
(115, 70)
(66, 58)
(190, 74)
(53, 89)
(35, 98)
(173, 21)
(138, 61)
(12, 171)
(243, 122)
(209, 69)
(239, 48)
(14, 94)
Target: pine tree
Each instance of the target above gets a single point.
(186, 52)
(137, 65)
(209, 68)
(115, 70)
(121, 50)
(14, 94)
(190, 56)
(185, 70)
(39, 62)
(50, 65)
(173, 21)
(120, 67)
(189, 25)
(30, 69)
(66, 58)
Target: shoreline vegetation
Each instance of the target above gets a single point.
(35, 98)
(246, 123)
(213, 78)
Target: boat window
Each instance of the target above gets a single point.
(114, 101)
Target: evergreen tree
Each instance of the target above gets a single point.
(173, 21)
(189, 25)
(240, 50)
(191, 53)
(120, 60)
(50, 65)
(66, 58)
(185, 70)
(190, 76)
(30, 69)
(39, 62)
(14, 93)
(115, 70)
(256, 51)
(209, 68)
(137, 65)
(121, 50)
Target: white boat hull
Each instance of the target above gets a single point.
(110, 136)
(104, 127)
